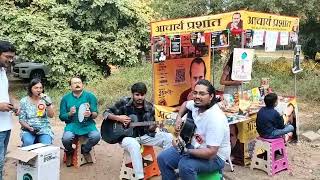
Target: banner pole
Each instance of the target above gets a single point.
(242, 46)
(213, 72)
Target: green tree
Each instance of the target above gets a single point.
(77, 37)
(307, 11)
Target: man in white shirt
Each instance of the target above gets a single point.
(7, 53)
(210, 144)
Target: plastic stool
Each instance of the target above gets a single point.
(78, 158)
(270, 164)
(216, 175)
(150, 167)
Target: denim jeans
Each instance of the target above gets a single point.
(29, 139)
(189, 166)
(4, 140)
(68, 137)
(280, 132)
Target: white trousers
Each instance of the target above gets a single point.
(132, 146)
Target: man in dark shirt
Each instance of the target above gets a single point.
(269, 122)
(133, 109)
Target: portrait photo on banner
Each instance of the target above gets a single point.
(159, 48)
(186, 62)
(220, 39)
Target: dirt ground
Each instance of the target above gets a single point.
(304, 157)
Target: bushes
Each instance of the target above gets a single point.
(76, 37)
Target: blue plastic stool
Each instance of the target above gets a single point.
(216, 175)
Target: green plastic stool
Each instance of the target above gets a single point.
(210, 176)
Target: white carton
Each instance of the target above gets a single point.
(37, 162)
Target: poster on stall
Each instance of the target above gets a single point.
(220, 39)
(271, 41)
(296, 60)
(175, 44)
(284, 38)
(166, 116)
(257, 37)
(288, 109)
(249, 38)
(242, 64)
(174, 78)
(159, 49)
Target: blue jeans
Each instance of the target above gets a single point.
(189, 166)
(280, 132)
(29, 139)
(68, 137)
(4, 140)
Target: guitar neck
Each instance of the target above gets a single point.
(146, 123)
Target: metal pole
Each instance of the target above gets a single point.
(212, 61)
(242, 46)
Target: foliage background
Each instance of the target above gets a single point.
(77, 37)
(80, 37)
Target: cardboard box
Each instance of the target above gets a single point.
(37, 162)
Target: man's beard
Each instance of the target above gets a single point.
(139, 102)
(202, 106)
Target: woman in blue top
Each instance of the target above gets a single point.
(35, 111)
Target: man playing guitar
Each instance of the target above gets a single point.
(132, 109)
(210, 145)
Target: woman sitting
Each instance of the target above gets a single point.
(35, 111)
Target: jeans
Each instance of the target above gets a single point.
(280, 132)
(132, 146)
(189, 166)
(68, 137)
(4, 140)
(29, 139)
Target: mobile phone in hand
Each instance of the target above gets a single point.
(15, 110)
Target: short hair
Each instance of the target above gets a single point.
(139, 87)
(6, 46)
(198, 60)
(31, 84)
(211, 90)
(235, 14)
(79, 77)
(270, 99)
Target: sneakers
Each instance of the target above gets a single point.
(87, 157)
(69, 159)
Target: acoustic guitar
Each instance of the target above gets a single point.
(185, 135)
(114, 131)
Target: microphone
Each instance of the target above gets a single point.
(46, 99)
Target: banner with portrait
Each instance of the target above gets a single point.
(186, 60)
(208, 23)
